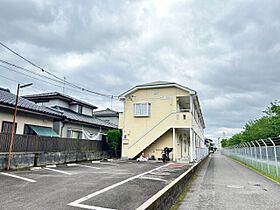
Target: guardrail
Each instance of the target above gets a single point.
(263, 154)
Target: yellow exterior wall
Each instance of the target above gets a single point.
(164, 141)
(23, 118)
(163, 102)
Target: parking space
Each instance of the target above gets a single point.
(97, 185)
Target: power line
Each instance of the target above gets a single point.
(61, 80)
(36, 79)
(16, 81)
(29, 76)
(27, 70)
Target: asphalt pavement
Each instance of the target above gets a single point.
(223, 183)
(99, 185)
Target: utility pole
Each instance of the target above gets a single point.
(14, 122)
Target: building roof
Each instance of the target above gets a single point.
(106, 113)
(74, 116)
(44, 97)
(157, 84)
(9, 99)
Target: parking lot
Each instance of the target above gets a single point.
(89, 185)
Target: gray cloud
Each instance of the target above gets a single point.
(226, 50)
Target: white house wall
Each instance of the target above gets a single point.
(87, 111)
(88, 129)
(55, 102)
(23, 118)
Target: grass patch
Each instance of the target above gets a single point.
(259, 171)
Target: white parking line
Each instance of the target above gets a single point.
(111, 164)
(91, 207)
(152, 178)
(50, 166)
(18, 177)
(87, 166)
(58, 171)
(76, 203)
(71, 164)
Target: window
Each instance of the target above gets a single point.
(142, 110)
(80, 109)
(7, 127)
(74, 134)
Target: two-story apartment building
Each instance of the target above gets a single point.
(161, 114)
(78, 120)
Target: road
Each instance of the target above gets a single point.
(225, 184)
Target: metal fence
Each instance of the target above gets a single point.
(201, 153)
(261, 154)
(32, 143)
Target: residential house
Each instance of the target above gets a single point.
(108, 115)
(78, 120)
(158, 115)
(31, 118)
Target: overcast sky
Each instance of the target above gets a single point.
(228, 51)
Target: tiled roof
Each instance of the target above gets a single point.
(49, 95)
(106, 112)
(71, 115)
(9, 99)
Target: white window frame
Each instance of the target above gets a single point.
(146, 112)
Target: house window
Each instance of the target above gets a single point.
(74, 134)
(142, 110)
(7, 127)
(80, 109)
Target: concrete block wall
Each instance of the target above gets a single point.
(25, 160)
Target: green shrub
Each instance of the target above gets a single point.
(114, 140)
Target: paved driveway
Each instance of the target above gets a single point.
(225, 184)
(111, 185)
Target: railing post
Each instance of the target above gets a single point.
(251, 153)
(242, 151)
(275, 156)
(255, 154)
(247, 153)
(267, 162)
(260, 154)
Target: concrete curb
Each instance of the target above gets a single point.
(170, 193)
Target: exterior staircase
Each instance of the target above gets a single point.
(172, 119)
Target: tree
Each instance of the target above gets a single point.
(262, 128)
(224, 143)
(114, 140)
